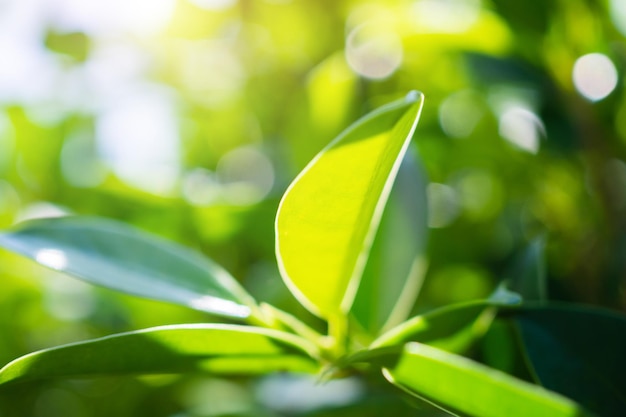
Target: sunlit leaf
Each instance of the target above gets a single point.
(461, 385)
(214, 348)
(327, 218)
(395, 266)
(578, 351)
(117, 256)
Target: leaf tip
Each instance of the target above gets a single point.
(414, 96)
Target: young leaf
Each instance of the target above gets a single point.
(451, 328)
(327, 218)
(396, 265)
(573, 351)
(461, 385)
(117, 256)
(215, 348)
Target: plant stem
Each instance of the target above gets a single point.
(338, 332)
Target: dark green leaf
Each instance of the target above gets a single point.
(117, 256)
(578, 352)
(527, 277)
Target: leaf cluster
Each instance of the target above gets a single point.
(344, 252)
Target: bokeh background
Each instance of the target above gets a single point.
(188, 118)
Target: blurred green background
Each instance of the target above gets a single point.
(188, 118)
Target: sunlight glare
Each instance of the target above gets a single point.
(41, 210)
(459, 113)
(246, 174)
(113, 69)
(138, 136)
(137, 17)
(30, 78)
(214, 4)
(302, 393)
(446, 16)
(595, 76)
(201, 188)
(522, 128)
(52, 258)
(618, 14)
(218, 305)
(373, 52)
(68, 299)
(211, 72)
(80, 165)
(443, 205)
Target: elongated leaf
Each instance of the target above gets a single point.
(461, 385)
(579, 352)
(215, 348)
(396, 265)
(451, 328)
(117, 256)
(327, 218)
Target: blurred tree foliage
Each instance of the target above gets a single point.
(188, 118)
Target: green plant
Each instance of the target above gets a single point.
(330, 249)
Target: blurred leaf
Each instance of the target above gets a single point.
(526, 17)
(215, 348)
(498, 349)
(462, 385)
(395, 267)
(473, 30)
(578, 352)
(117, 256)
(74, 44)
(451, 328)
(189, 21)
(327, 217)
(330, 91)
(528, 276)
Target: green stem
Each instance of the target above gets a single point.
(338, 332)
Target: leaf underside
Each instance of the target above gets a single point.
(214, 348)
(396, 264)
(114, 255)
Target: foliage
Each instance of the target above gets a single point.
(189, 122)
(325, 228)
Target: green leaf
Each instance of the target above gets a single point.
(578, 351)
(215, 348)
(327, 218)
(463, 386)
(396, 265)
(452, 328)
(117, 256)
